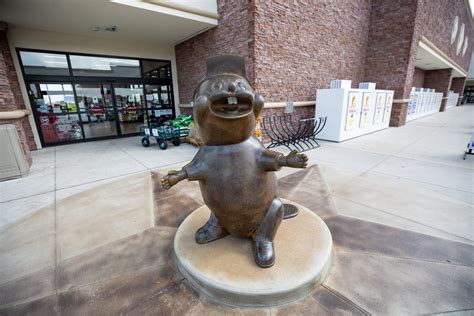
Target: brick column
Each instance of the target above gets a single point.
(440, 80)
(457, 85)
(10, 95)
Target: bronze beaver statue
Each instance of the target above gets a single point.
(234, 170)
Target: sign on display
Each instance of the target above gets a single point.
(379, 104)
(388, 107)
(365, 119)
(351, 111)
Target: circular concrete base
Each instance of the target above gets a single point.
(225, 269)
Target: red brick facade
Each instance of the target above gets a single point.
(440, 80)
(302, 45)
(233, 35)
(418, 78)
(11, 98)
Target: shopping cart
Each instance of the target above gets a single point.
(163, 134)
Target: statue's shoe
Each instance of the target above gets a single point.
(264, 253)
(209, 233)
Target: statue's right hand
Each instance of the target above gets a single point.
(169, 180)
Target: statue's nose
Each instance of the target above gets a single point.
(231, 87)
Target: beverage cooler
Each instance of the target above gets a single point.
(352, 112)
(423, 102)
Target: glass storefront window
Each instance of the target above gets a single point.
(44, 64)
(96, 110)
(158, 99)
(53, 98)
(56, 112)
(130, 107)
(156, 69)
(78, 97)
(104, 67)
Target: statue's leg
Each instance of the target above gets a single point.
(263, 250)
(211, 231)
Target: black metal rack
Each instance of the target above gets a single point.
(299, 134)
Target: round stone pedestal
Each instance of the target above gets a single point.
(225, 270)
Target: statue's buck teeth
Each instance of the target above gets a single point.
(231, 100)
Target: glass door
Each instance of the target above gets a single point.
(159, 103)
(96, 109)
(55, 112)
(130, 105)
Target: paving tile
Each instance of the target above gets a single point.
(409, 200)
(27, 245)
(350, 234)
(41, 307)
(444, 146)
(118, 295)
(180, 299)
(151, 248)
(34, 286)
(40, 180)
(355, 210)
(74, 165)
(171, 211)
(428, 172)
(104, 214)
(321, 302)
(305, 186)
(153, 156)
(15, 210)
(389, 141)
(393, 286)
(336, 154)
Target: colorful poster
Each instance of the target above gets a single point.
(388, 107)
(379, 105)
(364, 120)
(351, 111)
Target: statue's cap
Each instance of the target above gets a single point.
(226, 64)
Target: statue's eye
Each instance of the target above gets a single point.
(242, 85)
(216, 86)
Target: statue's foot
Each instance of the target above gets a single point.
(264, 253)
(210, 232)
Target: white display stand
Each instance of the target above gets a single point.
(452, 100)
(423, 102)
(352, 112)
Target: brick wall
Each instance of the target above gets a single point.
(294, 47)
(457, 85)
(232, 35)
(390, 37)
(418, 78)
(440, 80)
(11, 98)
(435, 19)
(301, 45)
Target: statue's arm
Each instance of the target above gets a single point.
(195, 170)
(273, 161)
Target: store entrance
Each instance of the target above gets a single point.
(110, 109)
(68, 112)
(78, 97)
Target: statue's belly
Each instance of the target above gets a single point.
(239, 193)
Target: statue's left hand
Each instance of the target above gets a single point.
(296, 160)
(170, 179)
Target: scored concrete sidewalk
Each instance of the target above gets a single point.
(412, 177)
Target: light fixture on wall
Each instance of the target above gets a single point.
(460, 40)
(108, 28)
(454, 30)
